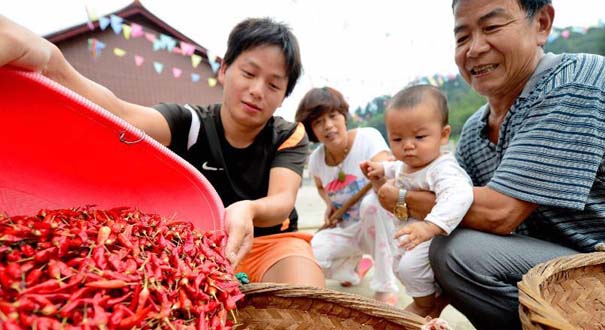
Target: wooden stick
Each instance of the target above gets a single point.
(336, 216)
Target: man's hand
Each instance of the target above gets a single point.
(239, 225)
(413, 234)
(388, 194)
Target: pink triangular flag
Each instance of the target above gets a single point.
(150, 36)
(138, 60)
(187, 49)
(136, 30)
(176, 72)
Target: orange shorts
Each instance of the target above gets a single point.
(268, 250)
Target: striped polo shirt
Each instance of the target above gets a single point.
(550, 151)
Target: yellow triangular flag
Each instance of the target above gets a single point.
(211, 82)
(126, 31)
(119, 52)
(195, 60)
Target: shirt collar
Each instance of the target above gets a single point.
(547, 62)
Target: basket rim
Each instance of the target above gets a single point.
(346, 300)
(529, 287)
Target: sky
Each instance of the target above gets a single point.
(363, 48)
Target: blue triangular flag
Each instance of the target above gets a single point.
(157, 45)
(100, 45)
(104, 22)
(168, 42)
(215, 66)
(158, 67)
(116, 24)
(195, 77)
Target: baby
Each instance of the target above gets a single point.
(417, 124)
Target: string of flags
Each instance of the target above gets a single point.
(565, 33)
(159, 42)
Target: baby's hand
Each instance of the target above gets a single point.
(413, 234)
(372, 170)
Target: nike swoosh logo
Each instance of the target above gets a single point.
(210, 168)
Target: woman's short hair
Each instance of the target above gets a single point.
(315, 103)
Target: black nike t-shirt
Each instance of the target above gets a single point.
(279, 144)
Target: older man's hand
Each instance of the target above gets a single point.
(388, 194)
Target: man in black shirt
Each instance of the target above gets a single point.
(260, 173)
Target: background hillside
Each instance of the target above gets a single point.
(463, 101)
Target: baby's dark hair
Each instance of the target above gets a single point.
(411, 96)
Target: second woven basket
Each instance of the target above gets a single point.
(272, 306)
(564, 293)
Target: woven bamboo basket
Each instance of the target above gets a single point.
(564, 293)
(272, 306)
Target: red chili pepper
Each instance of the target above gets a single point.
(45, 255)
(118, 300)
(107, 284)
(13, 270)
(27, 250)
(103, 235)
(122, 239)
(98, 255)
(134, 320)
(44, 287)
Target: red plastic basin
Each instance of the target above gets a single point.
(59, 150)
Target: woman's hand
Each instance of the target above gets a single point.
(328, 222)
(239, 226)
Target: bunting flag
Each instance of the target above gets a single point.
(119, 52)
(104, 22)
(126, 31)
(195, 60)
(150, 37)
(167, 42)
(215, 66)
(159, 42)
(212, 60)
(187, 49)
(138, 60)
(136, 30)
(158, 67)
(95, 47)
(157, 45)
(553, 36)
(91, 18)
(116, 23)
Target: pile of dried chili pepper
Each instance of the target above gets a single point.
(112, 269)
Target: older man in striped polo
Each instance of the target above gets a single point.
(535, 154)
